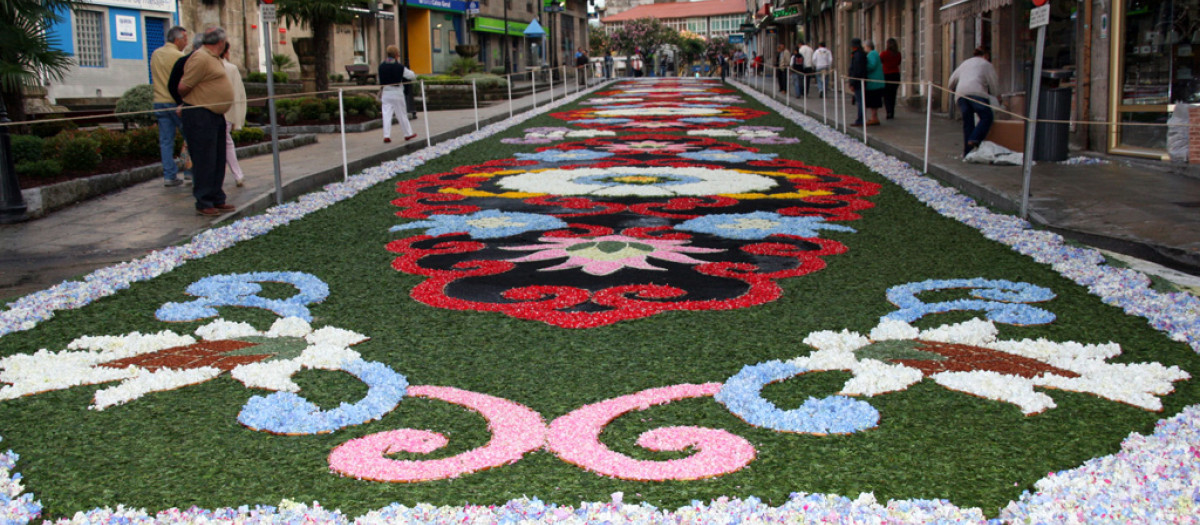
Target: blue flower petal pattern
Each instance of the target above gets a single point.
(716, 155)
(760, 225)
(487, 224)
(565, 155)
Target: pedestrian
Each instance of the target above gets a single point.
(207, 95)
(822, 61)
(165, 109)
(797, 72)
(608, 65)
(875, 84)
(723, 65)
(392, 75)
(856, 75)
(783, 61)
(807, 51)
(756, 64)
(975, 85)
(891, 73)
(581, 61)
(235, 118)
(636, 64)
(739, 62)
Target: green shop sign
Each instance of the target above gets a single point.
(496, 25)
(786, 12)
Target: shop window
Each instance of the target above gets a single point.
(89, 31)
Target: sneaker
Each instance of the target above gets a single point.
(172, 183)
(410, 137)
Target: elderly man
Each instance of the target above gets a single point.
(161, 62)
(207, 94)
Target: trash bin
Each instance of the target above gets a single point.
(1054, 103)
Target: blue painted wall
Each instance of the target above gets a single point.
(59, 34)
(126, 50)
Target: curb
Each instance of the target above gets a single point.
(43, 200)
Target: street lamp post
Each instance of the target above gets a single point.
(507, 49)
(12, 204)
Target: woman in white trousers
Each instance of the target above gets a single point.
(235, 118)
(391, 74)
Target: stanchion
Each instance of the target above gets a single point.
(862, 100)
(825, 101)
(342, 117)
(425, 110)
(804, 90)
(508, 79)
(475, 99)
(551, 84)
(787, 92)
(533, 80)
(928, 119)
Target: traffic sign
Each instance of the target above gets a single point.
(268, 13)
(1039, 16)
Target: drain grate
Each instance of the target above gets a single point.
(1189, 204)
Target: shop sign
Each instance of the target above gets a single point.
(456, 6)
(736, 39)
(786, 12)
(144, 5)
(126, 28)
(746, 28)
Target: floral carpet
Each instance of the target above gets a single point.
(663, 300)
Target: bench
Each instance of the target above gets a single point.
(361, 74)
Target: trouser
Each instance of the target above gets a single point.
(781, 76)
(822, 79)
(393, 105)
(205, 135)
(168, 123)
(231, 152)
(889, 94)
(798, 84)
(970, 107)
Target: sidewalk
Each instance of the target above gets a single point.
(1145, 209)
(137, 220)
(1139, 209)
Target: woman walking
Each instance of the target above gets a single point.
(235, 118)
(875, 85)
(391, 75)
(891, 74)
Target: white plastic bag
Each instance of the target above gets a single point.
(1177, 133)
(989, 152)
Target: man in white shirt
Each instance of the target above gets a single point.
(975, 86)
(821, 62)
(807, 52)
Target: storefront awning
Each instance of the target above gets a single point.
(495, 25)
(382, 15)
(955, 10)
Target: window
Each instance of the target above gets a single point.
(90, 34)
(529, 7)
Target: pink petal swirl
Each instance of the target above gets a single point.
(574, 437)
(516, 430)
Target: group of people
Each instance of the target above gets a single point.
(874, 78)
(201, 95)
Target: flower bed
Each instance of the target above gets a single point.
(672, 326)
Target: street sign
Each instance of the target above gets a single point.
(268, 13)
(472, 8)
(1039, 16)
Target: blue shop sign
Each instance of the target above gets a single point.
(456, 6)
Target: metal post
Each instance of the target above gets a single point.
(862, 101)
(425, 110)
(825, 102)
(274, 120)
(508, 79)
(804, 91)
(533, 79)
(342, 117)
(475, 100)
(12, 203)
(1031, 124)
(928, 119)
(787, 92)
(552, 84)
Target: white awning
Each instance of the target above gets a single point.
(959, 9)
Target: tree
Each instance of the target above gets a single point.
(598, 43)
(646, 34)
(26, 51)
(319, 16)
(691, 46)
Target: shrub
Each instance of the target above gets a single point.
(280, 77)
(41, 169)
(361, 103)
(291, 117)
(498, 71)
(113, 145)
(285, 105)
(80, 154)
(27, 148)
(331, 105)
(50, 129)
(462, 66)
(247, 135)
(371, 113)
(311, 109)
(486, 80)
(256, 76)
(143, 143)
(137, 98)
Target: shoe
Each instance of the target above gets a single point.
(225, 207)
(172, 183)
(187, 176)
(857, 123)
(873, 122)
(890, 117)
(410, 137)
(387, 140)
(208, 212)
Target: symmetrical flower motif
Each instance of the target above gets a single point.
(621, 181)
(610, 253)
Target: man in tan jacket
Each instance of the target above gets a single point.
(207, 95)
(161, 62)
